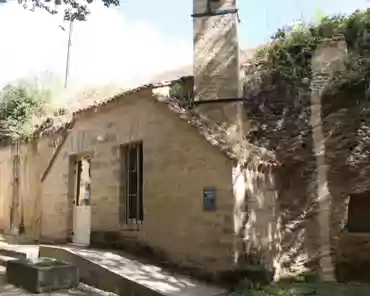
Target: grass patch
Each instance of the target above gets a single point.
(306, 289)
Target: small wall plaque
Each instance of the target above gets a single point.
(209, 199)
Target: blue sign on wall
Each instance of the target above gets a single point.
(209, 199)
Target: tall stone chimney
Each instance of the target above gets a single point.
(216, 61)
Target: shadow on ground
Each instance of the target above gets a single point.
(307, 289)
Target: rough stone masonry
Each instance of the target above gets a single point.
(216, 62)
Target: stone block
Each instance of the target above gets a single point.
(111, 137)
(42, 276)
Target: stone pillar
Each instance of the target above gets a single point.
(216, 61)
(217, 85)
(327, 59)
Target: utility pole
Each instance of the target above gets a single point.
(68, 53)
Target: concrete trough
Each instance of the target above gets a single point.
(44, 275)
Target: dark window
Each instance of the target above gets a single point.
(210, 4)
(131, 189)
(359, 212)
(78, 182)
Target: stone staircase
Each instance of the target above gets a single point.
(16, 247)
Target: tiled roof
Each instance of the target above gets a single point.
(92, 98)
(82, 102)
(242, 151)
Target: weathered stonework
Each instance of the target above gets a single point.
(23, 201)
(284, 220)
(321, 139)
(346, 130)
(217, 77)
(190, 238)
(327, 60)
(216, 56)
(216, 63)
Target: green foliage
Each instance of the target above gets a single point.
(73, 9)
(22, 106)
(306, 289)
(182, 93)
(288, 56)
(301, 285)
(319, 15)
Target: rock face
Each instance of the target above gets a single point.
(280, 124)
(309, 234)
(347, 131)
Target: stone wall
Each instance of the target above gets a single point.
(5, 187)
(256, 219)
(281, 124)
(216, 52)
(346, 129)
(216, 62)
(20, 186)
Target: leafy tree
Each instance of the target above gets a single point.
(22, 106)
(73, 9)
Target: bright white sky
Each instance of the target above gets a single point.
(115, 47)
(105, 49)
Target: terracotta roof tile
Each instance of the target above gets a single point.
(83, 102)
(242, 151)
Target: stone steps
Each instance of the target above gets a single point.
(5, 259)
(7, 254)
(13, 254)
(123, 276)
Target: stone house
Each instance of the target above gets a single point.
(121, 173)
(209, 185)
(141, 168)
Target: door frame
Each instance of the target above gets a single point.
(72, 190)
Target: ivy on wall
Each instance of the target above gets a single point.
(288, 56)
